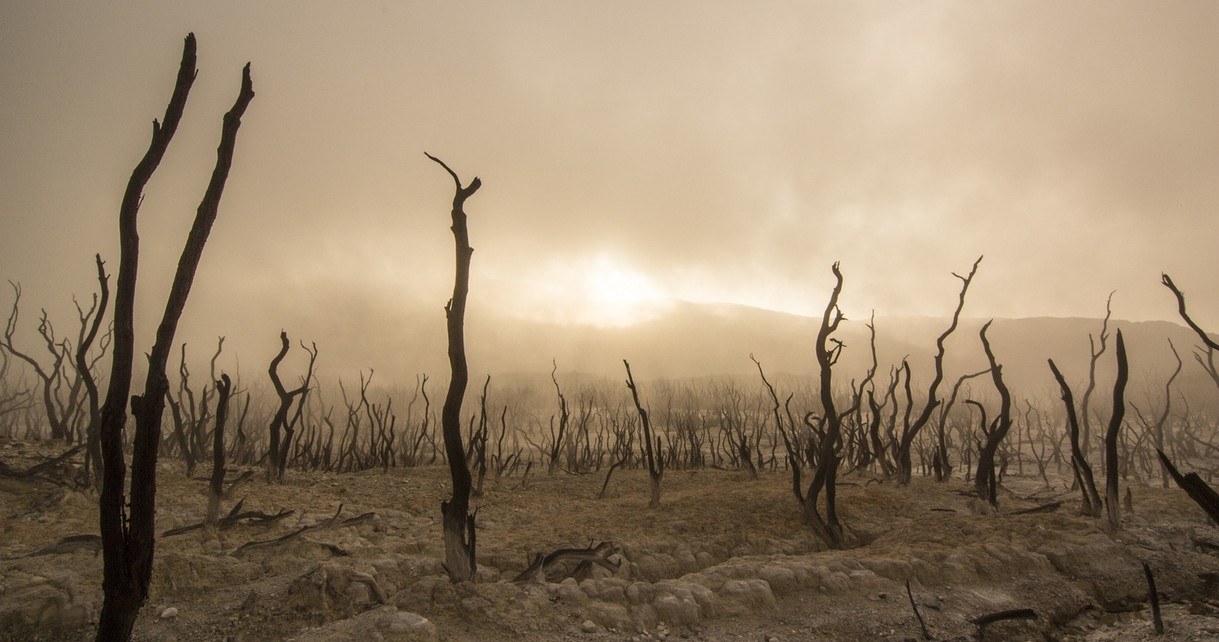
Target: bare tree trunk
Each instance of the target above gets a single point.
(224, 387)
(93, 454)
(655, 462)
(1079, 461)
(984, 481)
(825, 477)
(911, 431)
(1112, 508)
(128, 538)
(281, 429)
(459, 536)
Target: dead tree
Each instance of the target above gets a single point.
(1112, 508)
(459, 536)
(1160, 431)
(224, 386)
(128, 535)
(1096, 353)
(652, 456)
(48, 375)
(556, 438)
(1079, 459)
(941, 466)
(827, 527)
(984, 480)
(911, 431)
(277, 453)
(93, 455)
(1211, 346)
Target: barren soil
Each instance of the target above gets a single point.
(723, 558)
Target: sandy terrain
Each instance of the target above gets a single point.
(724, 558)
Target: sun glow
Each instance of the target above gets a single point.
(614, 294)
(600, 290)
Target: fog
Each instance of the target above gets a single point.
(632, 154)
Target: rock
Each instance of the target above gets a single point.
(409, 624)
(569, 592)
(676, 610)
(169, 613)
(611, 616)
(588, 626)
(475, 604)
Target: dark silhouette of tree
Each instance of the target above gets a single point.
(1079, 460)
(1112, 506)
(1085, 402)
(1205, 354)
(459, 536)
(277, 452)
(985, 483)
(910, 431)
(93, 453)
(128, 535)
(652, 455)
(215, 489)
(827, 527)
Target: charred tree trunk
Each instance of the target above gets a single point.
(827, 527)
(1112, 507)
(985, 482)
(652, 455)
(93, 453)
(1079, 462)
(459, 537)
(224, 387)
(1085, 415)
(128, 538)
(281, 429)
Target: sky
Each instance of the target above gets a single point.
(630, 152)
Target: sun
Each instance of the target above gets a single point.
(615, 294)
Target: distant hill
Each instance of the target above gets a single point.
(693, 340)
(686, 340)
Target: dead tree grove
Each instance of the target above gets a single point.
(459, 535)
(128, 535)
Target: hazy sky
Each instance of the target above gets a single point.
(629, 150)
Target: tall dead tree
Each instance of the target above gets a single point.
(1096, 353)
(827, 527)
(93, 454)
(652, 455)
(1079, 460)
(128, 535)
(459, 536)
(910, 431)
(985, 483)
(1112, 505)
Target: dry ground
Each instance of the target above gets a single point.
(724, 558)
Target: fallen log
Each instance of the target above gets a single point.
(67, 545)
(1199, 491)
(1000, 616)
(598, 554)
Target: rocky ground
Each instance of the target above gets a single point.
(723, 558)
